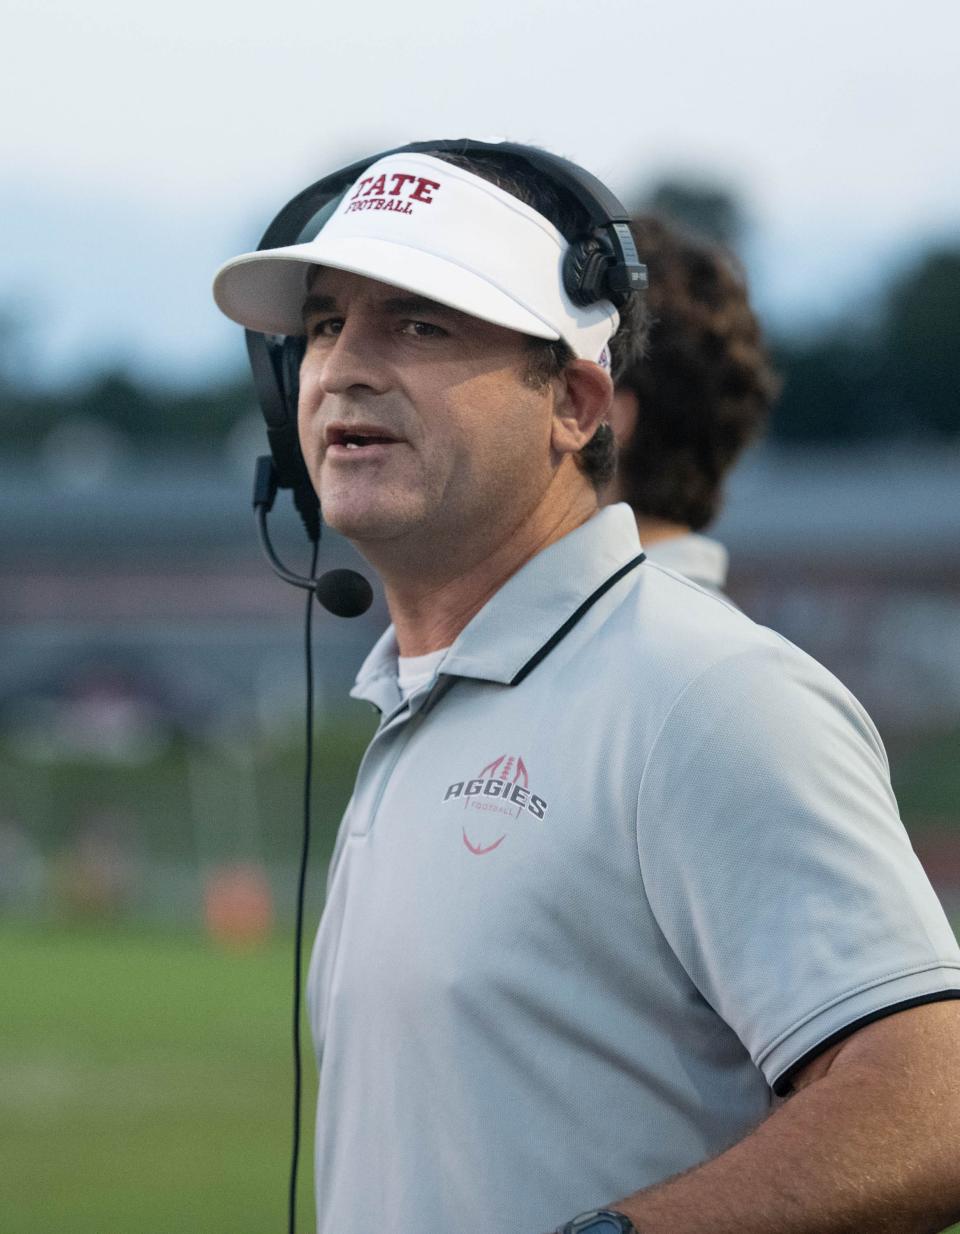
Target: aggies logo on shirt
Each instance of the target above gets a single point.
(396, 191)
(502, 787)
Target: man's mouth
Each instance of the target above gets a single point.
(358, 443)
(343, 438)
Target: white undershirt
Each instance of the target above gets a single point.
(416, 671)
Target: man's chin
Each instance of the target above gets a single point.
(364, 525)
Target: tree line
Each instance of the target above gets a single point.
(894, 377)
(889, 372)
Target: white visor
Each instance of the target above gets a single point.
(427, 227)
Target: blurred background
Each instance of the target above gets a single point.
(151, 680)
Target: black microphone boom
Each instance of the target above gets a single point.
(345, 593)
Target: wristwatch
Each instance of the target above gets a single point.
(599, 1221)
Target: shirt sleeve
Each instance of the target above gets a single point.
(774, 858)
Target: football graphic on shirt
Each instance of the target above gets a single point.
(501, 790)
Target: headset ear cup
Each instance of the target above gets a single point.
(279, 396)
(291, 358)
(574, 263)
(584, 270)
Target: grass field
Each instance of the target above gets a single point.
(145, 1086)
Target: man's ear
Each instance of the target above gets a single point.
(584, 392)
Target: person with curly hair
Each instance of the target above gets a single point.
(684, 412)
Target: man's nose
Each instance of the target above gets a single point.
(351, 361)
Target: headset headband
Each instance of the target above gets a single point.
(604, 210)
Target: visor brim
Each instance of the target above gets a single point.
(265, 291)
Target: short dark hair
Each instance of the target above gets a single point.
(705, 386)
(548, 358)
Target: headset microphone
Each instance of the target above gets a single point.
(345, 593)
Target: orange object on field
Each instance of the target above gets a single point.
(238, 904)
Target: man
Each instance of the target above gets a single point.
(619, 865)
(684, 412)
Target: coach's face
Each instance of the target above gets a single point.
(420, 432)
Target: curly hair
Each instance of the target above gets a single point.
(548, 358)
(706, 385)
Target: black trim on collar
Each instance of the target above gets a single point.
(572, 620)
(783, 1084)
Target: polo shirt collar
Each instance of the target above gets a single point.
(377, 680)
(528, 611)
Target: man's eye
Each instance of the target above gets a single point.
(423, 329)
(326, 327)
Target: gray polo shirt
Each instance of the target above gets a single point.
(617, 870)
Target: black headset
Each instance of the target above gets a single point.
(601, 264)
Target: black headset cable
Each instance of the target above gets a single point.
(301, 887)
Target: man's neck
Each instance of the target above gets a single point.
(653, 529)
(430, 607)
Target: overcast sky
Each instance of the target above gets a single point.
(143, 144)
